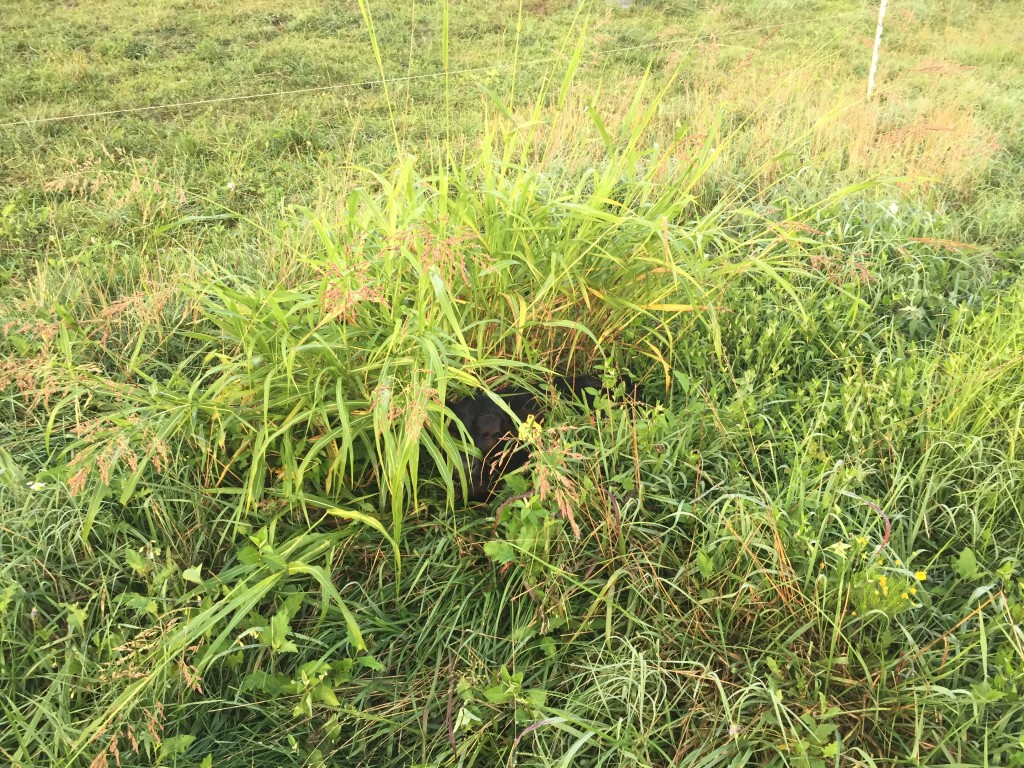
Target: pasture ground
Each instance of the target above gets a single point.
(229, 532)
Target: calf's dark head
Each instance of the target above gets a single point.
(492, 431)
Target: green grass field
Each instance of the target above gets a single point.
(232, 527)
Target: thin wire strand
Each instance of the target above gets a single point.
(400, 79)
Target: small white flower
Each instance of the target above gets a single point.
(893, 208)
(231, 186)
(36, 486)
(734, 730)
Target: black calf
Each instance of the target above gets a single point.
(488, 425)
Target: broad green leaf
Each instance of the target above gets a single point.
(967, 565)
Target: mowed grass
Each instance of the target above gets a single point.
(231, 522)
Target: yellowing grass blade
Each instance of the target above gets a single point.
(673, 307)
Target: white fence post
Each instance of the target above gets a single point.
(878, 44)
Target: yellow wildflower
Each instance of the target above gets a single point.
(529, 430)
